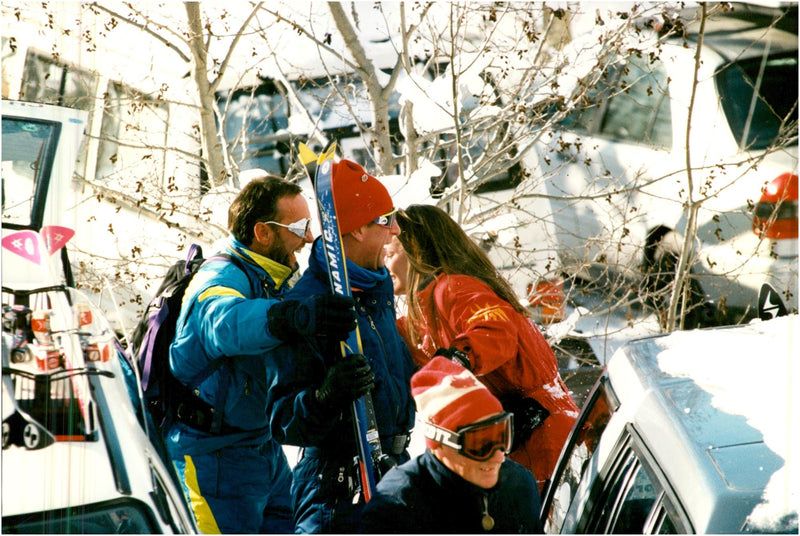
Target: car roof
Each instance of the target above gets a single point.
(746, 30)
(713, 407)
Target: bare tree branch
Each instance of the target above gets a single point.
(146, 28)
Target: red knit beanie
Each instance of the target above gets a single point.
(448, 395)
(358, 197)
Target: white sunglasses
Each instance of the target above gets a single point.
(300, 227)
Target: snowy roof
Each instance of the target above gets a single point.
(723, 397)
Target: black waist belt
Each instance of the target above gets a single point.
(199, 415)
(394, 445)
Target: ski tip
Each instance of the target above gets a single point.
(328, 153)
(307, 155)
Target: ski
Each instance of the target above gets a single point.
(369, 455)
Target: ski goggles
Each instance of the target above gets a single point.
(476, 441)
(387, 220)
(300, 227)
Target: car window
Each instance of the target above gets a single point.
(607, 491)
(49, 81)
(575, 458)
(585, 118)
(133, 134)
(28, 149)
(253, 120)
(639, 110)
(627, 102)
(118, 516)
(636, 504)
(756, 123)
(663, 523)
(630, 495)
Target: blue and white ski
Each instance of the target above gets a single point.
(368, 441)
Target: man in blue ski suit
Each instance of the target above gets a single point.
(235, 475)
(313, 387)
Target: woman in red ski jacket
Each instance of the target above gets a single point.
(460, 307)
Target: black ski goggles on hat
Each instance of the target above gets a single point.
(476, 441)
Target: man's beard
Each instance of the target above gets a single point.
(279, 254)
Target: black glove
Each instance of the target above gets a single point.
(326, 315)
(455, 355)
(349, 379)
(528, 415)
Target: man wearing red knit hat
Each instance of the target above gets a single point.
(312, 388)
(462, 483)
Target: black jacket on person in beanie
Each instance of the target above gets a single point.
(423, 496)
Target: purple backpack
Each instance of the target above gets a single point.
(153, 336)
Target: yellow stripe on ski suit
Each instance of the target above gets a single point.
(202, 512)
(277, 271)
(219, 291)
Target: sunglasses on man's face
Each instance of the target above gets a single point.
(300, 227)
(477, 441)
(387, 220)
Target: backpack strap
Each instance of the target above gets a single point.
(195, 252)
(147, 344)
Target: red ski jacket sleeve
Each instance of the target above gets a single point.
(472, 318)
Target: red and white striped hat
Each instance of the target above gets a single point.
(450, 396)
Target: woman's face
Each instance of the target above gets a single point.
(397, 264)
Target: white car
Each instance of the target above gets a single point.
(75, 456)
(611, 180)
(690, 432)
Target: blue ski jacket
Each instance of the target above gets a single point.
(224, 316)
(294, 416)
(423, 496)
(324, 481)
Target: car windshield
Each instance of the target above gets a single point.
(119, 516)
(757, 123)
(28, 152)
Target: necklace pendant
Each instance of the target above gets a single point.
(487, 522)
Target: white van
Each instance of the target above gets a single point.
(76, 457)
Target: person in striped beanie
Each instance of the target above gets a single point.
(463, 483)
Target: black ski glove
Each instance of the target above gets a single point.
(347, 380)
(456, 356)
(326, 315)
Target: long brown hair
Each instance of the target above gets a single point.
(435, 244)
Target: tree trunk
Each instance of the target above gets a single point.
(212, 149)
(378, 95)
